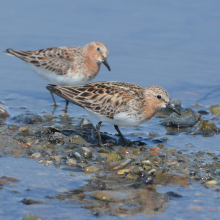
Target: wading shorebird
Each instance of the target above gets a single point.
(66, 66)
(118, 103)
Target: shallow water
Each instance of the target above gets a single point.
(171, 44)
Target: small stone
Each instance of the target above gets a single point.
(108, 195)
(64, 115)
(171, 179)
(196, 105)
(3, 111)
(86, 153)
(78, 140)
(23, 129)
(152, 172)
(185, 171)
(121, 172)
(30, 201)
(208, 126)
(47, 162)
(32, 217)
(173, 194)
(92, 169)
(36, 155)
(153, 134)
(146, 162)
(11, 179)
(117, 165)
(48, 116)
(96, 185)
(211, 183)
(71, 162)
(17, 153)
(28, 118)
(137, 152)
(215, 109)
(114, 156)
(124, 150)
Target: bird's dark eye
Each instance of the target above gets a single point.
(98, 48)
(159, 96)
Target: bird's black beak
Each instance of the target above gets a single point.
(104, 61)
(169, 106)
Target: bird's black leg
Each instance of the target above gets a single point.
(98, 131)
(121, 135)
(67, 102)
(55, 103)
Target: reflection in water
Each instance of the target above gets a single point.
(129, 201)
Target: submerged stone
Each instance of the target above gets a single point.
(206, 128)
(171, 179)
(108, 195)
(117, 165)
(114, 156)
(3, 111)
(77, 139)
(28, 118)
(92, 169)
(96, 185)
(187, 118)
(32, 217)
(215, 109)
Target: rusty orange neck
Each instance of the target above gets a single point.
(151, 107)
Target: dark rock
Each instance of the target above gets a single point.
(172, 133)
(77, 154)
(28, 118)
(86, 153)
(86, 124)
(148, 180)
(96, 185)
(203, 112)
(30, 201)
(173, 194)
(187, 118)
(31, 151)
(57, 138)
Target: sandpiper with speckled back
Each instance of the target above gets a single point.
(118, 103)
(66, 66)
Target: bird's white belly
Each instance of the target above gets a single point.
(62, 80)
(122, 119)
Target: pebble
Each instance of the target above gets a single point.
(108, 195)
(71, 162)
(211, 183)
(116, 165)
(32, 217)
(36, 155)
(146, 162)
(152, 171)
(92, 169)
(121, 172)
